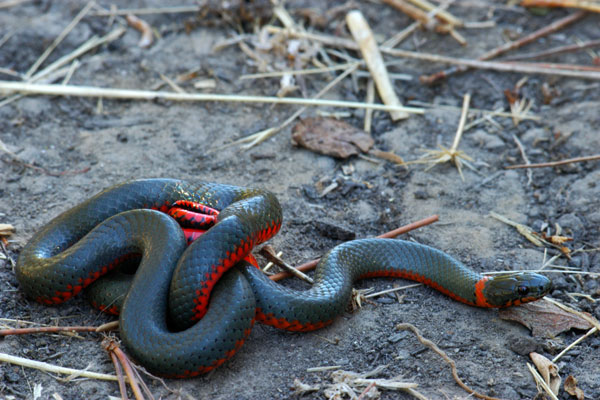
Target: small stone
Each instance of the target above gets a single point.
(487, 141)
(12, 376)
(571, 223)
(121, 137)
(522, 345)
(395, 338)
(421, 195)
(533, 135)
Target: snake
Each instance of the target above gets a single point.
(187, 309)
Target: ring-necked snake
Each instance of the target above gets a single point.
(173, 284)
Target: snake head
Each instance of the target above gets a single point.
(515, 288)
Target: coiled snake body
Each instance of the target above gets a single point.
(173, 284)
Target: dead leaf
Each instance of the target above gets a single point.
(548, 370)
(544, 318)
(556, 239)
(572, 389)
(332, 137)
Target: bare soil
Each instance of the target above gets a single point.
(92, 148)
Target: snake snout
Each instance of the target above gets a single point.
(517, 288)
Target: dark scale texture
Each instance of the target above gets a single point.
(82, 244)
(366, 258)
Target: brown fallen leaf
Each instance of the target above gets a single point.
(331, 136)
(548, 371)
(572, 389)
(544, 318)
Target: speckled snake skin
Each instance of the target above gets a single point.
(173, 284)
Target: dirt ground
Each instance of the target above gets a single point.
(93, 145)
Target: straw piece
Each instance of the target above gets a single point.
(54, 368)
(91, 91)
(368, 46)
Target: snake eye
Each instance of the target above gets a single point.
(522, 290)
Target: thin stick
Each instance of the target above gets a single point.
(554, 51)
(495, 113)
(91, 91)
(391, 234)
(276, 74)
(461, 124)
(120, 377)
(555, 163)
(146, 11)
(553, 27)
(587, 5)
(428, 343)
(112, 347)
(528, 68)
(47, 329)
(91, 44)
(414, 12)
(12, 3)
(25, 362)
(439, 12)
(524, 155)
(575, 343)
(260, 137)
(270, 255)
(59, 39)
(370, 98)
(386, 291)
(400, 36)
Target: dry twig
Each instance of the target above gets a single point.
(435, 348)
(527, 68)
(583, 4)
(555, 163)
(559, 24)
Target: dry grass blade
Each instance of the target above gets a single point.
(526, 68)
(452, 154)
(522, 229)
(259, 137)
(25, 362)
(148, 11)
(59, 39)
(12, 3)
(91, 91)
(556, 163)
(540, 382)
(524, 155)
